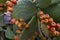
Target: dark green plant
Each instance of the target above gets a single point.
(28, 10)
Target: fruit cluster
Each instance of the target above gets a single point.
(10, 4)
(53, 27)
(20, 24)
(8, 19)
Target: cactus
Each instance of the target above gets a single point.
(29, 20)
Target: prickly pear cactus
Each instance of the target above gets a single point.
(29, 19)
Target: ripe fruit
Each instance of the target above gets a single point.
(10, 9)
(53, 24)
(21, 19)
(54, 33)
(47, 16)
(21, 28)
(16, 38)
(8, 3)
(48, 27)
(16, 22)
(13, 21)
(58, 24)
(19, 25)
(50, 20)
(14, 1)
(18, 32)
(57, 33)
(46, 21)
(24, 23)
(27, 26)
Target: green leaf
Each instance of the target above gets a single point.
(24, 9)
(2, 1)
(57, 38)
(54, 11)
(43, 3)
(9, 34)
(1, 28)
(1, 20)
(55, 1)
(41, 35)
(28, 33)
(44, 28)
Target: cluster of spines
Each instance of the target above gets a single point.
(53, 27)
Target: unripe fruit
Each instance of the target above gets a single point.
(27, 26)
(9, 3)
(47, 16)
(19, 25)
(41, 13)
(53, 24)
(16, 22)
(50, 20)
(46, 20)
(53, 29)
(10, 9)
(21, 19)
(14, 1)
(13, 21)
(16, 38)
(18, 32)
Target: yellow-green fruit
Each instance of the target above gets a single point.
(18, 32)
(21, 19)
(19, 25)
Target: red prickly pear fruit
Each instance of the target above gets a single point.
(14, 1)
(48, 27)
(8, 3)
